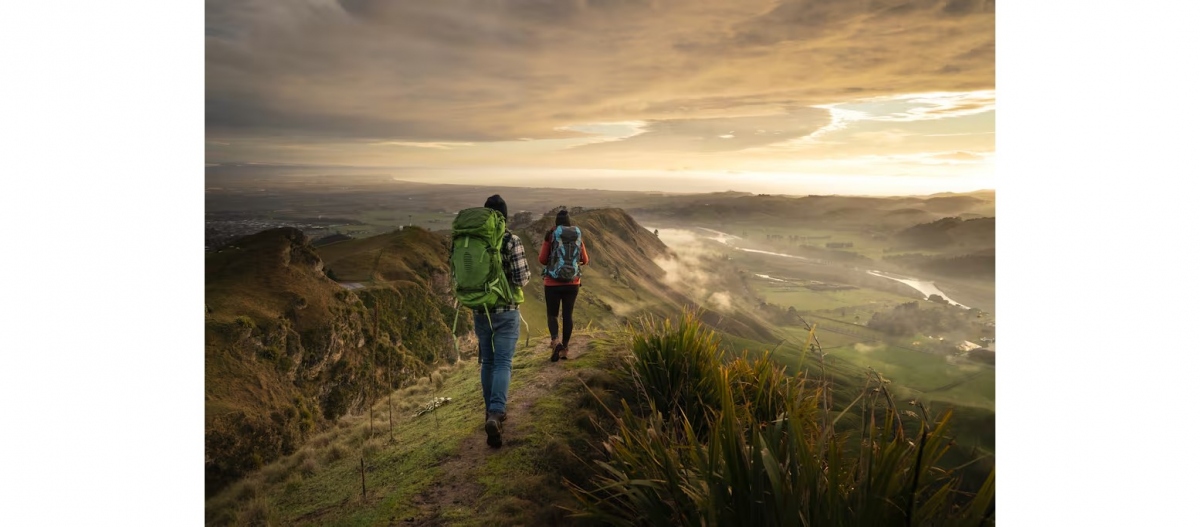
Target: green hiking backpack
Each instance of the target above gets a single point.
(476, 263)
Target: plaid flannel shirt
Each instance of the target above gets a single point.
(515, 267)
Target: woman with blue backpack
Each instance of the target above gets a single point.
(562, 254)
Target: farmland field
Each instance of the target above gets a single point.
(804, 299)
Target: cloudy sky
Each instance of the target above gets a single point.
(789, 96)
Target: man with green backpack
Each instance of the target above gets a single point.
(487, 262)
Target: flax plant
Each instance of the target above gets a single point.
(710, 441)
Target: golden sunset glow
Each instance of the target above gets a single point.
(772, 96)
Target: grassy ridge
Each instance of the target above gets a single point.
(551, 470)
(288, 351)
(413, 254)
(434, 469)
(624, 278)
(321, 484)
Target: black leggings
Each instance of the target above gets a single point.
(565, 294)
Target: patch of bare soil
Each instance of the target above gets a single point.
(460, 487)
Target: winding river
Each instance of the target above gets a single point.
(924, 287)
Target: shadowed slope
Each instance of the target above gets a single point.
(288, 351)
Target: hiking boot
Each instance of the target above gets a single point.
(558, 350)
(562, 354)
(493, 427)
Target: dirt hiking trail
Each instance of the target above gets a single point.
(459, 493)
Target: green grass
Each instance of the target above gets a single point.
(384, 220)
(395, 471)
(915, 373)
(322, 484)
(807, 300)
(380, 221)
(912, 375)
(757, 234)
(522, 484)
(864, 244)
(746, 443)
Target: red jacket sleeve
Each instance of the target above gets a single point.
(583, 257)
(544, 253)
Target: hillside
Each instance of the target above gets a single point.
(412, 254)
(288, 351)
(432, 468)
(816, 211)
(327, 405)
(952, 232)
(427, 465)
(627, 277)
(966, 248)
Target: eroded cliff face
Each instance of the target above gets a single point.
(288, 351)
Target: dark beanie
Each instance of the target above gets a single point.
(562, 218)
(497, 203)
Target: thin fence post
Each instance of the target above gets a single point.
(374, 368)
(391, 388)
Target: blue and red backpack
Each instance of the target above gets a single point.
(565, 247)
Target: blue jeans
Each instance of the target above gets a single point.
(497, 344)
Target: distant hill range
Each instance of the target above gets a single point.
(967, 247)
(949, 232)
(851, 211)
(959, 227)
(984, 194)
(289, 350)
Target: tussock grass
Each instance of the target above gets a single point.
(275, 472)
(224, 509)
(308, 467)
(322, 441)
(422, 387)
(259, 512)
(321, 483)
(300, 456)
(356, 436)
(247, 488)
(292, 485)
(373, 446)
(220, 515)
(711, 441)
(335, 452)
